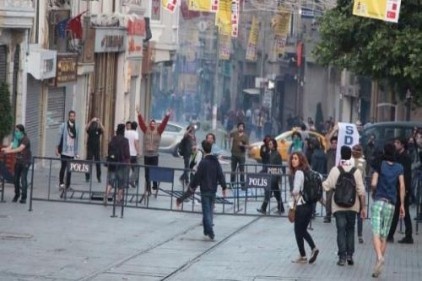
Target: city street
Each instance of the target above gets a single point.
(68, 241)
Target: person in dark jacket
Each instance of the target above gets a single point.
(403, 158)
(264, 152)
(274, 168)
(187, 144)
(208, 176)
(118, 175)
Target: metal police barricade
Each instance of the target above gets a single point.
(254, 182)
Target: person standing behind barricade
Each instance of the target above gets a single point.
(185, 148)
(240, 142)
(298, 165)
(403, 158)
(152, 139)
(347, 183)
(133, 138)
(387, 175)
(22, 147)
(319, 163)
(94, 130)
(208, 176)
(264, 152)
(67, 148)
(118, 174)
(331, 162)
(273, 168)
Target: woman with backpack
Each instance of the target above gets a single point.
(298, 165)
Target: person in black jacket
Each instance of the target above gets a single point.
(273, 168)
(208, 176)
(403, 158)
(186, 149)
(264, 152)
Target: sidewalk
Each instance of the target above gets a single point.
(60, 241)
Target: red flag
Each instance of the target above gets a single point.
(299, 53)
(75, 26)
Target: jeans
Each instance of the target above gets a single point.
(328, 202)
(303, 217)
(150, 161)
(207, 201)
(185, 177)
(238, 161)
(63, 168)
(94, 154)
(345, 223)
(21, 173)
(407, 219)
(360, 224)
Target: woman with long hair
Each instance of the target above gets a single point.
(298, 165)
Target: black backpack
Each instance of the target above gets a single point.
(114, 153)
(345, 192)
(312, 187)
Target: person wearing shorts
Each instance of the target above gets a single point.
(385, 179)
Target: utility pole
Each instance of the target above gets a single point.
(216, 81)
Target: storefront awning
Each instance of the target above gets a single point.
(252, 91)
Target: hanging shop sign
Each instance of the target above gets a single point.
(110, 40)
(67, 68)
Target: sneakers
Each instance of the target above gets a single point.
(22, 201)
(314, 255)
(301, 260)
(406, 240)
(259, 210)
(360, 240)
(341, 262)
(15, 199)
(350, 261)
(327, 219)
(378, 268)
(61, 187)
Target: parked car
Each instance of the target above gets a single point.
(284, 141)
(171, 137)
(387, 131)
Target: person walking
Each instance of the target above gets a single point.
(403, 158)
(67, 148)
(133, 137)
(387, 175)
(331, 162)
(21, 146)
(152, 139)
(264, 152)
(118, 174)
(94, 130)
(346, 216)
(207, 177)
(298, 165)
(274, 168)
(240, 142)
(360, 164)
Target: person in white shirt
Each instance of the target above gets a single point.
(133, 138)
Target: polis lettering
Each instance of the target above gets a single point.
(258, 182)
(78, 167)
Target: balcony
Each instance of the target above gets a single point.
(17, 13)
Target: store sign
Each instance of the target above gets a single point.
(134, 46)
(110, 40)
(136, 27)
(67, 68)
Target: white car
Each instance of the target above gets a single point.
(171, 137)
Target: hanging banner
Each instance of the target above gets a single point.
(386, 10)
(169, 5)
(223, 17)
(224, 47)
(280, 23)
(203, 5)
(347, 135)
(279, 47)
(235, 18)
(252, 40)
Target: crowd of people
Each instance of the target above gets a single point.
(390, 175)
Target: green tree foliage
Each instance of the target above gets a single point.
(374, 48)
(6, 118)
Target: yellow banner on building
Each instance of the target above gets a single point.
(169, 5)
(280, 23)
(224, 46)
(204, 5)
(223, 17)
(252, 40)
(386, 10)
